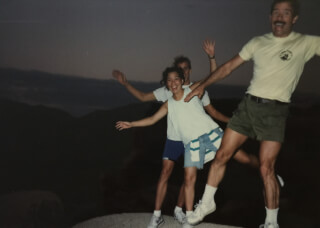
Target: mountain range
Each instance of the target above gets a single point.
(80, 96)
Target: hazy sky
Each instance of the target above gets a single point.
(89, 38)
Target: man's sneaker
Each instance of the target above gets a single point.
(179, 216)
(269, 225)
(155, 221)
(202, 210)
(281, 182)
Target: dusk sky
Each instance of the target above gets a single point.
(89, 38)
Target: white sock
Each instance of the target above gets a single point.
(188, 213)
(177, 209)
(209, 193)
(272, 216)
(157, 213)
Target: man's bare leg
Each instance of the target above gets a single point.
(253, 161)
(247, 159)
(269, 151)
(231, 141)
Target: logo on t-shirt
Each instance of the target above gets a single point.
(286, 55)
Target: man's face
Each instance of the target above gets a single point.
(186, 70)
(282, 19)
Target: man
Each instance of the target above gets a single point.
(279, 58)
(174, 147)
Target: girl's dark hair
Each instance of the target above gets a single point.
(169, 70)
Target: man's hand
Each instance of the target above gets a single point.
(208, 47)
(198, 91)
(118, 75)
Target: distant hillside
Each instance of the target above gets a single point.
(80, 96)
(76, 95)
(97, 170)
(48, 149)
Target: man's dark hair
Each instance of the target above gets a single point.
(169, 70)
(181, 59)
(294, 4)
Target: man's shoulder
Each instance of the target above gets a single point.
(266, 36)
(305, 37)
(259, 38)
(185, 86)
(308, 36)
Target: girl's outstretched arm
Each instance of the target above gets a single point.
(120, 125)
(163, 110)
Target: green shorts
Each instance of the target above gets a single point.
(264, 121)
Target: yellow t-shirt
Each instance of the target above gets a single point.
(278, 63)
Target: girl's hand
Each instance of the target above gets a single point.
(120, 125)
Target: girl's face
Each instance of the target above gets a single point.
(174, 82)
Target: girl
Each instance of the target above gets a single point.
(200, 134)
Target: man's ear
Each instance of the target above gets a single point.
(295, 19)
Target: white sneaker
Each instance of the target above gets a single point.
(281, 182)
(155, 221)
(202, 210)
(269, 225)
(179, 216)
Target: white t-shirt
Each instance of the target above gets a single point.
(189, 119)
(278, 63)
(163, 94)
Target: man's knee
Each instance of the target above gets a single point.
(222, 156)
(266, 170)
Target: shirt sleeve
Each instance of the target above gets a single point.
(246, 52)
(312, 47)
(205, 99)
(162, 94)
(316, 43)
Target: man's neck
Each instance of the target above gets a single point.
(285, 36)
(187, 82)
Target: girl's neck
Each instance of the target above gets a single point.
(179, 95)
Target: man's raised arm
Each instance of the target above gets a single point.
(217, 75)
(121, 78)
(209, 47)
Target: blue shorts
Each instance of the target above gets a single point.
(173, 150)
(203, 149)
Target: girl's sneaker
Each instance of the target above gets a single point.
(179, 216)
(155, 221)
